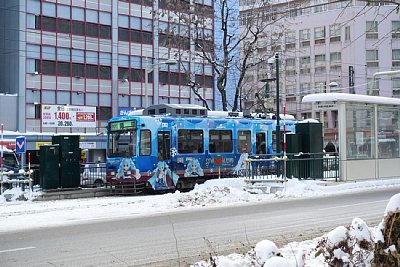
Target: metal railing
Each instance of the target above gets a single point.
(13, 180)
(301, 165)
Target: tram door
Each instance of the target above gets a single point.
(164, 145)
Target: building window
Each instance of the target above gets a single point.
(335, 59)
(396, 87)
(372, 58)
(92, 71)
(63, 25)
(320, 63)
(78, 27)
(290, 40)
(318, 6)
(290, 90)
(63, 69)
(304, 89)
(334, 33)
(105, 113)
(78, 70)
(371, 30)
(396, 58)
(105, 72)
(304, 65)
(347, 33)
(92, 30)
(319, 35)
(290, 66)
(304, 37)
(48, 67)
(395, 29)
(373, 86)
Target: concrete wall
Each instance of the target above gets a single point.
(9, 47)
(8, 111)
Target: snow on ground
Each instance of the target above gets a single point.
(18, 215)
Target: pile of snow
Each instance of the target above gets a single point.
(343, 246)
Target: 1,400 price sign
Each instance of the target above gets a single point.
(68, 116)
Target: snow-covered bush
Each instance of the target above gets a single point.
(387, 247)
(348, 246)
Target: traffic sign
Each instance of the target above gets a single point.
(20, 144)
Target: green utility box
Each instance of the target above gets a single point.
(70, 154)
(293, 146)
(49, 167)
(311, 162)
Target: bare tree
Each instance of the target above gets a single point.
(231, 50)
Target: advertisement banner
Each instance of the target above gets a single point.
(68, 116)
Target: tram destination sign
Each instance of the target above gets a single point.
(122, 125)
(68, 116)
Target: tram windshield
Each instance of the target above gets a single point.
(122, 139)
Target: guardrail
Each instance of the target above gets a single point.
(300, 165)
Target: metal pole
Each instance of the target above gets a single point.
(278, 128)
(266, 97)
(146, 81)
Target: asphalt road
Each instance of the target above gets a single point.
(181, 238)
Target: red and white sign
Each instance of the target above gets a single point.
(68, 116)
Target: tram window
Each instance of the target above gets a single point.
(261, 143)
(244, 141)
(220, 141)
(145, 143)
(190, 141)
(123, 144)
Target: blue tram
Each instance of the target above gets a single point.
(173, 146)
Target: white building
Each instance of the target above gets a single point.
(321, 43)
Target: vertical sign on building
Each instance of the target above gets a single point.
(351, 80)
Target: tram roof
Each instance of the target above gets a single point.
(344, 97)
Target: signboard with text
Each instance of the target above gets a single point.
(68, 116)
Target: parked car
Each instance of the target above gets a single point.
(10, 160)
(93, 175)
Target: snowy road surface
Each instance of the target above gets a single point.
(186, 235)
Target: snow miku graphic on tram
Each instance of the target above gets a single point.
(175, 146)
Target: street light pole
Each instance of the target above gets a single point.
(278, 126)
(148, 69)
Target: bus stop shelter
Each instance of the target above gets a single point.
(369, 130)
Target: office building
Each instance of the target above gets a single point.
(327, 46)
